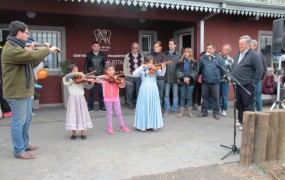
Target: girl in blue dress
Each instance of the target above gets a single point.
(148, 110)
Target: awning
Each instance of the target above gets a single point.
(242, 7)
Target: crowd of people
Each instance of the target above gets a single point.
(157, 85)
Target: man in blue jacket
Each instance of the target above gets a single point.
(212, 74)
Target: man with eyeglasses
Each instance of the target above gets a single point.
(132, 61)
(18, 85)
(159, 57)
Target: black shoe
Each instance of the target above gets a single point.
(216, 116)
(102, 109)
(131, 107)
(202, 115)
(83, 137)
(73, 137)
(90, 109)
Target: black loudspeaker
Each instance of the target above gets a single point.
(278, 39)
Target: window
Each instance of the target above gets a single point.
(52, 37)
(264, 46)
(42, 34)
(146, 40)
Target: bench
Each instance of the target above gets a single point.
(267, 98)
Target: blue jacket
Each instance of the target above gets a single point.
(211, 72)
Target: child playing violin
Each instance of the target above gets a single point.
(148, 109)
(77, 115)
(111, 85)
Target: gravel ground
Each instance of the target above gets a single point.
(231, 171)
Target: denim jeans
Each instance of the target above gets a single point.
(224, 92)
(21, 117)
(167, 87)
(136, 81)
(258, 100)
(160, 85)
(186, 91)
(97, 87)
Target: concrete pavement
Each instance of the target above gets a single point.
(182, 142)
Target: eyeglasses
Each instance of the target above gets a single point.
(26, 32)
(134, 47)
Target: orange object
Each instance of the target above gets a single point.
(42, 73)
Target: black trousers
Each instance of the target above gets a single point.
(4, 105)
(98, 88)
(244, 101)
(210, 91)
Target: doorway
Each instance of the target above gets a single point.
(184, 38)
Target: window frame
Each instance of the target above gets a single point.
(53, 71)
(146, 32)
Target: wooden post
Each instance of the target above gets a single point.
(260, 137)
(272, 137)
(281, 136)
(247, 139)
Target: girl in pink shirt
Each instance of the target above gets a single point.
(111, 98)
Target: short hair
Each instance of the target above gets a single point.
(211, 44)
(173, 40)
(254, 42)
(229, 46)
(16, 26)
(157, 42)
(247, 38)
(147, 59)
(95, 42)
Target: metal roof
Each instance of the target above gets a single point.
(269, 8)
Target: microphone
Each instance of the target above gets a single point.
(210, 55)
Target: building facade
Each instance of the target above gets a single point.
(73, 24)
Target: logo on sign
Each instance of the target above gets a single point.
(102, 35)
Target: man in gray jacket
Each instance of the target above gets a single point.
(247, 69)
(170, 77)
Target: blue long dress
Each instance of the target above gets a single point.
(148, 110)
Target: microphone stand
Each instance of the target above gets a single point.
(233, 147)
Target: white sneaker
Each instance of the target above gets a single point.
(238, 124)
(224, 113)
(199, 108)
(240, 128)
(210, 111)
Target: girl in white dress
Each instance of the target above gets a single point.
(77, 115)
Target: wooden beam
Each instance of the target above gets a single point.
(247, 140)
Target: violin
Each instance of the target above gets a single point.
(117, 79)
(86, 78)
(157, 67)
(37, 45)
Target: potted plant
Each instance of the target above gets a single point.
(63, 67)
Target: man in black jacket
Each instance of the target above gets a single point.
(5, 108)
(95, 61)
(247, 69)
(159, 57)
